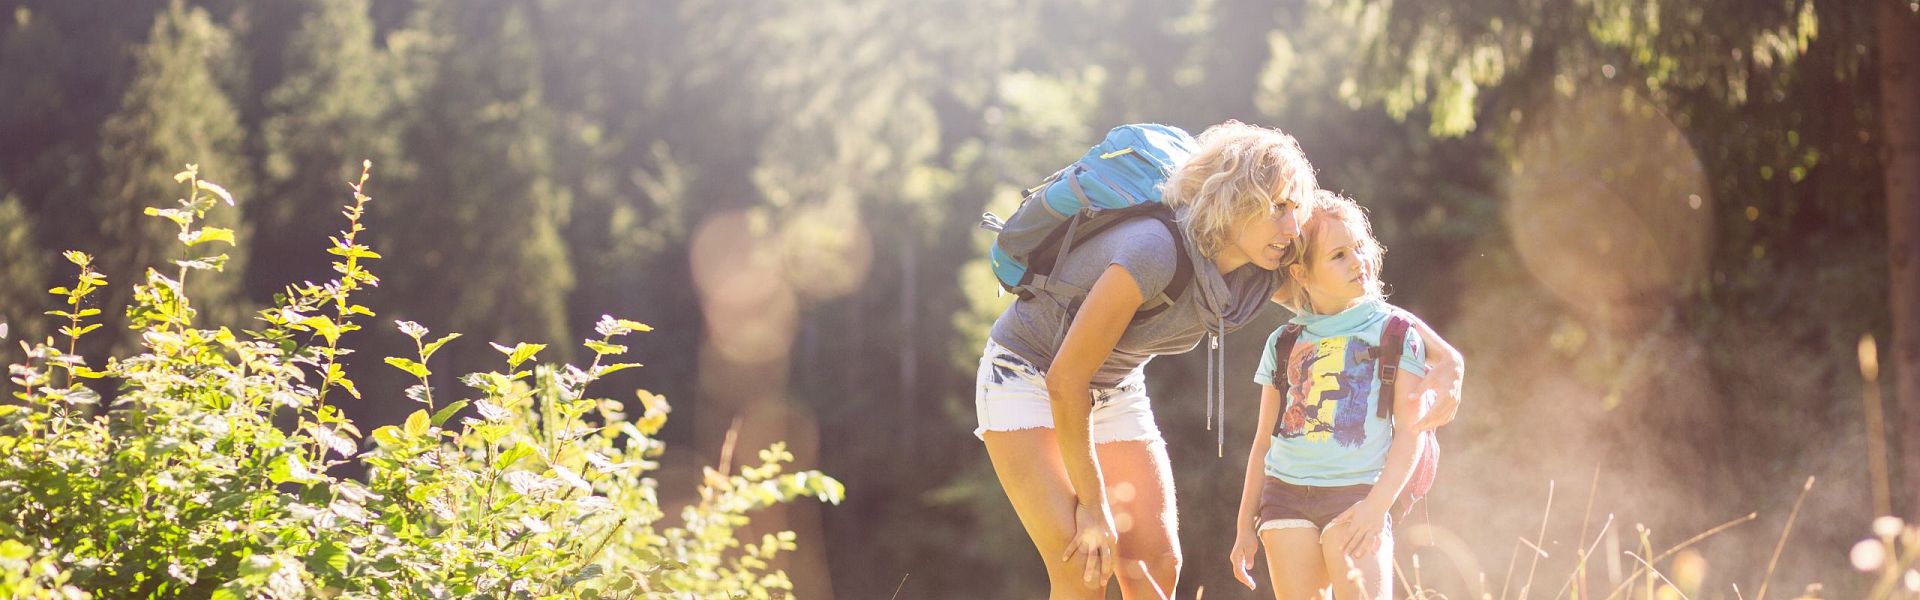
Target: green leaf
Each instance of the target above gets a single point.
(411, 329)
(216, 189)
(417, 423)
(615, 368)
(70, 331)
(289, 467)
(446, 412)
(412, 368)
(388, 436)
(519, 353)
(206, 235)
(599, 347)
(512, 455)
(330, 555)
(216, 263)
(347, 384)
(427, 351)
(15, 551)
(179, 217)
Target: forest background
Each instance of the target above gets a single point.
(1658, 229)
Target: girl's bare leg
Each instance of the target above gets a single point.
(1294, 563)
(1363, 578)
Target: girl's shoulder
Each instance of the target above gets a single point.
(1390, 310)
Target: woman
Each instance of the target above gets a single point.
(1068, 425)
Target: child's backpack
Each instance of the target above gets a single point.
(1117, 180)
(1392, 344)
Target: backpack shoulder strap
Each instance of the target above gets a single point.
(1393, 343)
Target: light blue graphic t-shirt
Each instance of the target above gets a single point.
(1330, 431)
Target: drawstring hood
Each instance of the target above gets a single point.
(1216, 300)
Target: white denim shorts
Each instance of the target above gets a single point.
(1010, 394)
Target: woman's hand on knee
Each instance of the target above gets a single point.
(1094, 541)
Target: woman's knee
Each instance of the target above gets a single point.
(1067, 580)
(1161, 565)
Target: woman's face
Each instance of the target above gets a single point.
(1264, 236)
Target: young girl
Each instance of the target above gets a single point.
(1319, 487)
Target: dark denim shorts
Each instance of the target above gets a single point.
(1284, 505)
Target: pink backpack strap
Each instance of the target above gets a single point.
(1393, 343)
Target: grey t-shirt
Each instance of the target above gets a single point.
(1145, 248)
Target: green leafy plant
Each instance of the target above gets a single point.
(184, 486)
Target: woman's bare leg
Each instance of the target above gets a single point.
(1030, 470)
(1139, 482)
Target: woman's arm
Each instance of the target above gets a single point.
(1369, 516)
(1103, 317)
(1246, 540)
(1446, 370)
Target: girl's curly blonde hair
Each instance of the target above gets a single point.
(1239, 171)
(1332, 210)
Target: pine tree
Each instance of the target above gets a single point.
(173, 114)
(22, 275)
(329, 111)
(475, 230)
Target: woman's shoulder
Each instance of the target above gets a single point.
(1147, 234)
(1145, 246)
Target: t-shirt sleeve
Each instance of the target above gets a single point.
(1263, 374)
(1413, 354)
(1145, 249)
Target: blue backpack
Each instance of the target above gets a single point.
(1117, 180)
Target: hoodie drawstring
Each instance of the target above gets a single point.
(1217, 384)
(1220, 380)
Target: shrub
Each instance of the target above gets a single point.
(208, 472)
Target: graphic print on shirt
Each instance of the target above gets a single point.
(1331, 400)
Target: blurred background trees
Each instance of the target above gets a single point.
(1659, 230)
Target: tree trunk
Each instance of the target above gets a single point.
(1900, 117)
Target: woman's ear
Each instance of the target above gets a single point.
(1298, 271)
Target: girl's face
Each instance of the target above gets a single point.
(1263, 238)
(1336, 273)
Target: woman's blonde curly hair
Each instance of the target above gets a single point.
(1238, 172)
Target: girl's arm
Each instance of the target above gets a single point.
(1369, 516)
(1246, 542)
(1103, 317)
(1446, 368)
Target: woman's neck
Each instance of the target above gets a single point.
(1332, 305)
(1230, 259)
